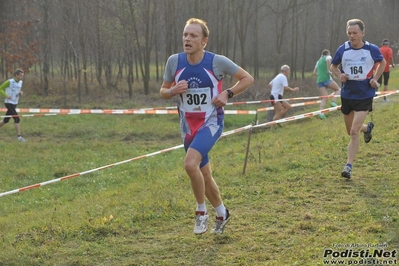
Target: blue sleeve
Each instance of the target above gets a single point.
(376, 53)
(338, 56)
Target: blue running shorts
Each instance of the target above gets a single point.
(203, 141)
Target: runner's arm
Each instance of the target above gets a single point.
(3, 87)
(244, 80)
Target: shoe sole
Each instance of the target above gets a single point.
(346, 175)
(369, 134)
(368, 139)
(226, 222)
(200, 233)
(206, 228)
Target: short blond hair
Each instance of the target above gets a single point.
(202, 23)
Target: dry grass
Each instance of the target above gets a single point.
(289, 206)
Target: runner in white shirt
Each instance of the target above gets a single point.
(11, 90)
(278, 85)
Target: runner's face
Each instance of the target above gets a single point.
(355, 36)
(19, 76)
(193, 39)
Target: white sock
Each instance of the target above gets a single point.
(201, 207)
(221, 211)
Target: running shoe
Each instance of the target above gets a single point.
(221, 223)
(21, 139)
(201, 222)
(347, 172)
(322, 116)
(334, 104)
(367, 136)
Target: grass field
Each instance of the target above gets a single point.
(287, 209)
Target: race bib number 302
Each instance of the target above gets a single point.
(197, 100)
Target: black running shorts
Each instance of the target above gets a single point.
(347, 106)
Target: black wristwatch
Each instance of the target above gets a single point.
(230, 93)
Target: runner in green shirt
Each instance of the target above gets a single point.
(324, 80)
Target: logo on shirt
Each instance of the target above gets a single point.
(194, 82)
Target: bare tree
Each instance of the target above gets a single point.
(242, 12)
(299, 34)
(143, 13)
(280, 9)
(45, 6)
(305, 41)
(339, 15)
(111, 44)
(97, 44)
(82, 42)
(127, 49)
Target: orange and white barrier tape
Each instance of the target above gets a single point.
(297, 117)
(283, 120)
(305, 98)
(283, 100)
(87, 172)
(293, 105)
(110, 165)
(159, 110)
(47, 112)
(172, 109)
(145, 156)
(93, 111)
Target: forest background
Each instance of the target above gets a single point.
(74, 51)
